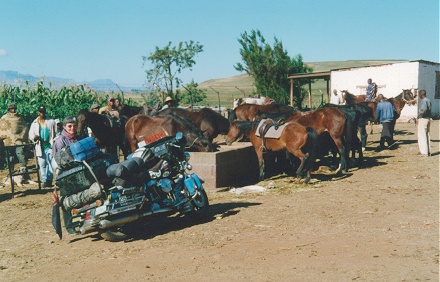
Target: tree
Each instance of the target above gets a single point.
(192, 95)
(168, 63)
(270, 67)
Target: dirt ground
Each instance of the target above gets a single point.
(378, 223)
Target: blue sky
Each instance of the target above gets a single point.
(87, 40)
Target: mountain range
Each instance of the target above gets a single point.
(100, 85)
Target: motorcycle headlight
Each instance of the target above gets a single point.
(166, 185)
(187, 156)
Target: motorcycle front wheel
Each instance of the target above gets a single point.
(200, 204)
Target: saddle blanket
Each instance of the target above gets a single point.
(271, 132)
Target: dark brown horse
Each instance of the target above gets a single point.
(249, 112)
(207, 120)
(145, 128)
(107, 131)
(129, 111)
(295, 138)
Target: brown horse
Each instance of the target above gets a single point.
(406, 97)
(295, 138)
(107, 131)
(326, 120)
(249, 112)
(145, 128)
(351, 99)
(207, 120)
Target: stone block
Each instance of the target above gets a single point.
(231, 166)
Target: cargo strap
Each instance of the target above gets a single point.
(94, 176)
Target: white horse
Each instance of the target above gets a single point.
(249, 100)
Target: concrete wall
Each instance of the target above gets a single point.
(427, 81)
(231, 166)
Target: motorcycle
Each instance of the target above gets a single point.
(100, 195)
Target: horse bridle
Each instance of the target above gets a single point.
(409, 102)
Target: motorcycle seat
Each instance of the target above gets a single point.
(126, 169)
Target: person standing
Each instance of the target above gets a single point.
(110, 108)
(424, 124)
(42, 132)
(169, 103)
(371, 91)
(385, 115)
(117, 103)
(94, 108)
(335, 98)
(13, 130)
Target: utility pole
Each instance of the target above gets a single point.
(121, 92)
(218, 96)
(244, 95)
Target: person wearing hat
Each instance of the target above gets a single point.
(42, 132)
(169, 103)
(94, 108)
(13, 130)
(110, 108)
(67, 137)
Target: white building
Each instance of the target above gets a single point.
(391, 79)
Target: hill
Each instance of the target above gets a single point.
(99, 85)
(242, 85)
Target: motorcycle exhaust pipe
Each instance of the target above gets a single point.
(87, 228)
(105, 223)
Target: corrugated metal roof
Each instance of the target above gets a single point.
(326, 74)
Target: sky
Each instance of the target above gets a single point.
(86, 40)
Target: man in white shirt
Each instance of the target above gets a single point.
(335, 98)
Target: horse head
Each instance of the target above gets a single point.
(81, 119)
(409, 97)
(234, 134)
(237, 102)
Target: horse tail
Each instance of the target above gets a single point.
(312, 139)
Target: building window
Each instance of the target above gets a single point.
(437, 85)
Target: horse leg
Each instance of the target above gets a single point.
(343, 156)
(371, 127)
(363, 133)
(260, 163)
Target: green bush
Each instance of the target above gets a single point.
(59, 103)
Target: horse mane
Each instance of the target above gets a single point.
(245, 127)
(349, 98)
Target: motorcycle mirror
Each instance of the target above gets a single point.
(179, 135)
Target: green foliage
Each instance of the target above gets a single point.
(59, 103)
(167, 63)
(270, 67)
(192, 95)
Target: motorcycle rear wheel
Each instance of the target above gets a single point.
(201, 205)
(114, 235)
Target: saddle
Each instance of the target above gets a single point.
(268, 128)
(265, 125)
